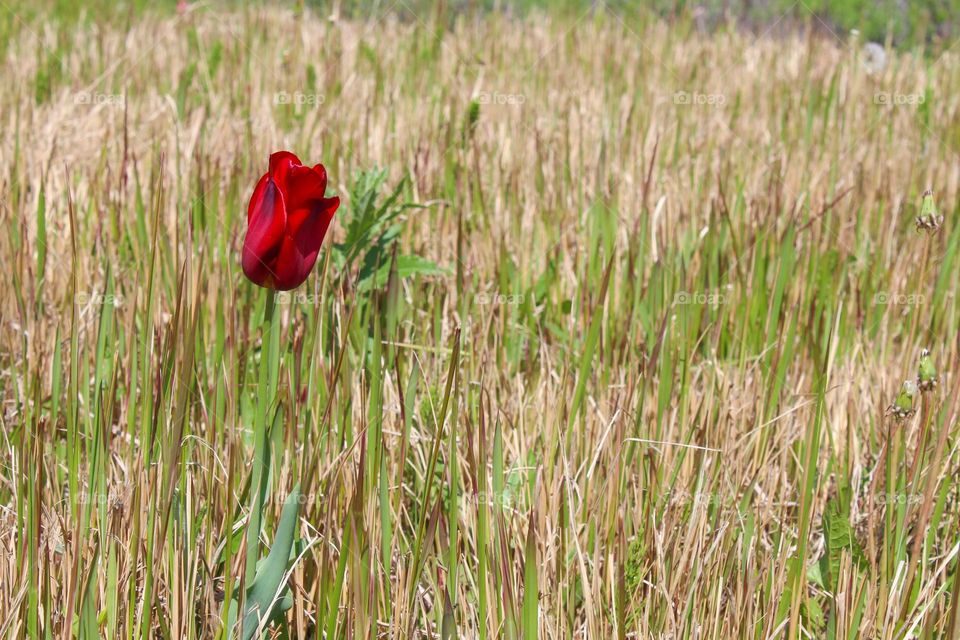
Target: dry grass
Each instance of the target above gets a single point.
(684, 322)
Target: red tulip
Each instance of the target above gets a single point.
(286, 222)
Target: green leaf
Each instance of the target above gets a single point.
(448, 630)
(407, 266)
(839, 537)
(531, 592)
(267, 597)
(373, 228)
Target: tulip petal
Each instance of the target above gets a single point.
(303, 186)
(289, 266)
(267, 220)
(257, 197)
(321, 171)
(281, 164)
(313, 227)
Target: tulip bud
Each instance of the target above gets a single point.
(287, 220)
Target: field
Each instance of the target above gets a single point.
(602, 343)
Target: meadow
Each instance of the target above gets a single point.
(602, 343)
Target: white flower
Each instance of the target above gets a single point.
(874, 58)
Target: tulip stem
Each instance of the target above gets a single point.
(267, 388)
